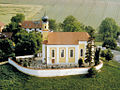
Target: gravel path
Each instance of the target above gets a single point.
(116, 55)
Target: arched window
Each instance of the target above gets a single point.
(62, 53)
(71, 53)
(53, 53)
(81, 52)
(45, 27)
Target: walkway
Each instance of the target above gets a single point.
(116, 55)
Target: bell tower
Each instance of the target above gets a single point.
(45, 27)
(45, 23)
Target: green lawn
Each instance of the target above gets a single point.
(89, 12)
(108, 79)
(98, 43)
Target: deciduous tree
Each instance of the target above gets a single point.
(6, 49)
(109, 28)
(71, 24)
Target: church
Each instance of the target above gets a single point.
(59, 47)
(62, 47)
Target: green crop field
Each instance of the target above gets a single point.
(9, 10)
(107, 79)
(89, 12)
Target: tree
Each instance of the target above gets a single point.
(107, 54)
(91, 31)
(14, 25)
(70, 24)
(90, 51)
(18, 18)
(109, 28)
(110, 43)
(6, 49)
(27, 43)
(97, 55)
(53, 25)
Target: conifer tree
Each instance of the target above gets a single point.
(90, 51)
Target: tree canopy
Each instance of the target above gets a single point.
(27, 43)
(71, 24)
(109, 28)
(91, 31)
(18, 18)
(6, 49)
(14, 25)
(110, 43)
(53, 25)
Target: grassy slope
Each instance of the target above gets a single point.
(108, 78)
(89, 12)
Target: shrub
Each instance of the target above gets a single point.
(117, 48)
(25, 64)
(107, 54)
(92, 72)
(103, 53)
(110, 43)
(80, 62)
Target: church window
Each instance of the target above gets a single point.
(53, 53)
(81, 52)
(62, 53)
(71, 53)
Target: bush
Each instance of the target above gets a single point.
(117, 48)
(25, 64)
(92, 72)
(107, 54)
(110, 43)
(80, 62)
(103, 53)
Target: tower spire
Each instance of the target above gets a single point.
(45, 13)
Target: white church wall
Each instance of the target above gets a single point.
(59, 46)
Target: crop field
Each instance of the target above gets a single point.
(89, 12)
(9, 10)
(107, 79)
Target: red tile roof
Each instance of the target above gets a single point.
(31, 24)
(66, 38)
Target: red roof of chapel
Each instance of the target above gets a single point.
(66, 38)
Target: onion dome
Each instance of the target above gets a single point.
(45, 18)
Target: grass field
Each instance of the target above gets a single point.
(107, 79)
(89, 12)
